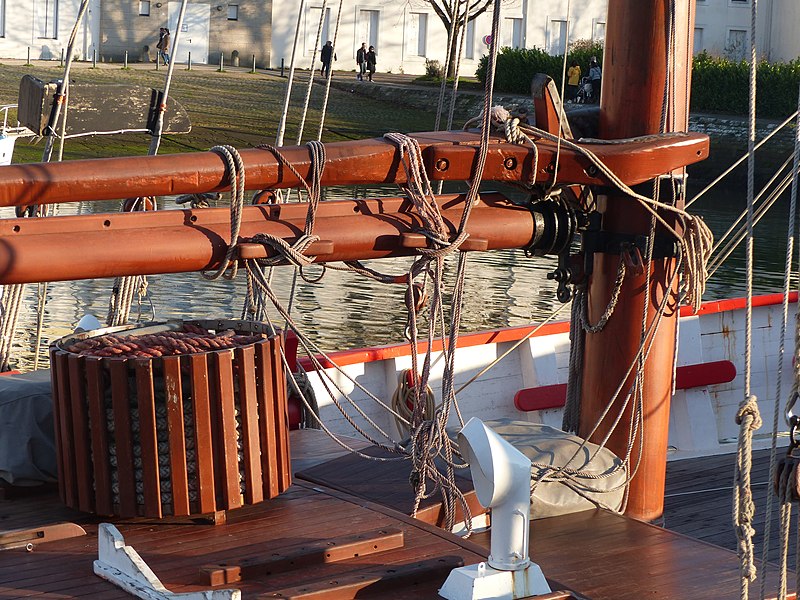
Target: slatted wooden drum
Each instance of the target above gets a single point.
(175, 418)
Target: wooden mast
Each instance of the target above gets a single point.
(634, 75)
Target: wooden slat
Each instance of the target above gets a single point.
(80, 429)
(303, 556)
(269, 440)
(378, 579)
(95, 394)
(177, 437)
(58, 400)
(281, 413)
(145, 396)
(204, 451)
(227, 451)
(65, 425)
(248, 407)
(120, 402)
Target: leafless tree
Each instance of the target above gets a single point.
(456, 14)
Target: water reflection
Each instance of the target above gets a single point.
(345, 310)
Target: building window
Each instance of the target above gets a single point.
(368, 21)
(233, 12)
(469, 43)
(599, 31)
(736, 44)
(511, 33)
(698, 40)
(312, 25)
(558, 37)
(417, 34)
(144, 8)
(46, 19)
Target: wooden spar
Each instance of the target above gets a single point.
(448, 156)
(632, 96)
(174, 241)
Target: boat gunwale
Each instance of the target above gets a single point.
(343, 358)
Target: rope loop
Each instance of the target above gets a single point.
(748, 413)
(234, 169)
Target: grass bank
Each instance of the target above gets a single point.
(233, 107)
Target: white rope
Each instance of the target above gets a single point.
(290, 80)
(329, 74)
(787, 272)
(748, 416)
(311, 69)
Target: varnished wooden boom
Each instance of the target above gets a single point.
(176, 241)
(448, 156)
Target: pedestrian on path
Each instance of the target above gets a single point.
(371, 61)
(361, 61)
(573, 80)
(327, 55)
(595, 77)
(163, 45)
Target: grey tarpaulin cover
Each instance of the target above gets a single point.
(550, 446)
(27, 447)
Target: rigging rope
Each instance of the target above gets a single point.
(748, 417)
(125, 288)
(785, 506)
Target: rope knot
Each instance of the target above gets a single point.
(749, 409)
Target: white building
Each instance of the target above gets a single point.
(404, 34)
(43, 27)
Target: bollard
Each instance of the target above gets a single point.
(61, 62)
(29, 56)
(221, 62)
(281, 67)
(94, 59)
(126, 60)
(189, 63)
(254, 64)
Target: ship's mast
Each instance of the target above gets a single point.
(639, 64)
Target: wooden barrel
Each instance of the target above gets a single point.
(149, 429)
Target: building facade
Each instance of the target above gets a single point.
(405, 34)
(110, 28)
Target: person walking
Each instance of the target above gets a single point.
(327, 55)
(573, 80)
(371, 61)
(595, 78)
(163, 45)
(361, 61)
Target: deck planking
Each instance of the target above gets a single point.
(682, 561)
(699, 498)
(176, 550)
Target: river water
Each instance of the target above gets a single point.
(346, 311)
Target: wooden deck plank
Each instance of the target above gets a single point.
(178, 472)
(64, 568)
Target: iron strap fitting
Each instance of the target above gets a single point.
(633, 248)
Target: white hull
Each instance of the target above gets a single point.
(702, 419)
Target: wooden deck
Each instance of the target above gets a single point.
(309, 543)
(699, 497)
(675, 563)
(275, 549)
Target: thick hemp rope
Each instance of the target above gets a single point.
(234, 168)
(748, 417)
(787, 277)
